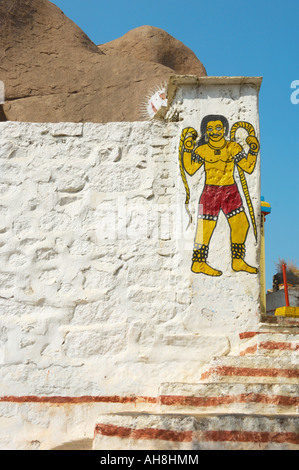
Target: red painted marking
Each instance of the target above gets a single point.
(281, 400)
(279, 345)
(167, 400)
(249, 436)
(76, 400)
(153, 108)
(111, 430)
(249, 372)
(249, 350)
(147, 433)
(248, 334)
(271, 345)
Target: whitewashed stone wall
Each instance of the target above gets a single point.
(96, 293)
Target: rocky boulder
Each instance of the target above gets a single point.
(53, 72)
(150, 44)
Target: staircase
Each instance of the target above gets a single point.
(243, 402)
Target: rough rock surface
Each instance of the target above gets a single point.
(53, 72)
(151, 44)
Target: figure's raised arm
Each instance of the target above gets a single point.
(192, 161)
(247, 161)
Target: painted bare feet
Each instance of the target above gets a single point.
(204, 268)
(241, 265)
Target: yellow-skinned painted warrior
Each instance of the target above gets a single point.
(219, 156)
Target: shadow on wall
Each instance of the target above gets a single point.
(2, 115)
(81, 444)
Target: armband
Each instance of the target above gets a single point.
(240, 156)
(196, 158)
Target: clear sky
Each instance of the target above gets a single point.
(232, 38)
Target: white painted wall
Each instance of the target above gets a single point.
(96, 292)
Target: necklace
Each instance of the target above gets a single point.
(217, 150)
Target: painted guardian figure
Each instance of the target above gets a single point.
(219, 156)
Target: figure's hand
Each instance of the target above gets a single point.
(189, 141)
(253, 143)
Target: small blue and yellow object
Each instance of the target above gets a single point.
(265, 206)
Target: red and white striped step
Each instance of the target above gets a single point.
(251, 369)
(270, 343)
(245, 402)
(226, 398)
(185, 432)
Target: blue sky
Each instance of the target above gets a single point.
(233, 38)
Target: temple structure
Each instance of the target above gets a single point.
(132, 293)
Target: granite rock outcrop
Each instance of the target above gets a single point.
(53, 72)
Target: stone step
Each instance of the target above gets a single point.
(270, 343)
(279, 323)
(189, 432)
(229, 398)
(251, 369)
